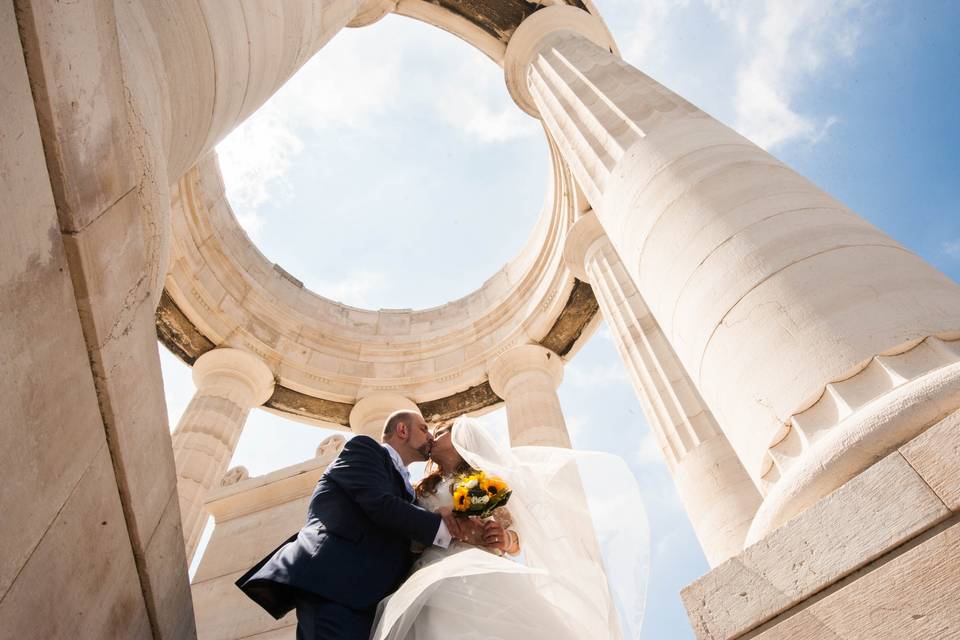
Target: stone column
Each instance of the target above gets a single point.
(719, 496)
(783, 305)
(370, 413)
(527, 377)
(229, 383)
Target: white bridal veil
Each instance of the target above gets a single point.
(583, 568)
(581, 521)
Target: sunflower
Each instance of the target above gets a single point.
(493, 486)
(461, 499)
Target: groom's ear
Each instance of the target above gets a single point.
(402, 431)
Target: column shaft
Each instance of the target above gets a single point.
(527, 378)
(719, 496)
(773, 295)
(229, 384)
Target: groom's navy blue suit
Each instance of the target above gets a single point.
(353, 550)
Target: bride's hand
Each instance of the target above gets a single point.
(496, 537)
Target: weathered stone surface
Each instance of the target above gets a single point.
(52, 428)
(252, 517)
(166, 564)
(290, 401)
(935, 455)
(885, 505)
(912, 596)
(114, 306)
(85, 131)
(580, 309)
(253, 535)
(81, 579)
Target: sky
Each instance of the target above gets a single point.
(394, 171)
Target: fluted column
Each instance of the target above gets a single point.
(778, 300)
(719, 496)
(527, 377)
(371, 411)
(229, 383)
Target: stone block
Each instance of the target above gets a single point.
(81, 580)
(77, 77)
(882, 507)
(912, 596)
(165, 566)
(52, 426)
(935, 455)
(240, 542)
(225, 613)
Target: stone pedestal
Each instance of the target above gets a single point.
(781, 303)
(875, 559)
(252, 516)
(229, 383)
(370, 413)
(719, 497)
(527, 377)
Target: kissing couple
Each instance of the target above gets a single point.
(379, 559)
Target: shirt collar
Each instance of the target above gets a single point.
(401, 468)
(397, 460)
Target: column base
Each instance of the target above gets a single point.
(874, 559)
(857, 442)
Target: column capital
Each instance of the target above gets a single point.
(527, 357)
(370, 412)
(532, 34)
(581, 238)
(371, 11)
(246, 369)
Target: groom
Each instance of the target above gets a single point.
(355, 546)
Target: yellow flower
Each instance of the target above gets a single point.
(461, 499)
(493, 486)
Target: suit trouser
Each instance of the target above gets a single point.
(322, 619)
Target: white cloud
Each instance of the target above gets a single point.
(254, 160)
(361, 81)
(576, 426)
(479, 107)
(752, 60)
(646, 40)
(649, 451)
(952, 248)
(787, 44)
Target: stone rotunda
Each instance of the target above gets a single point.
(799, 368)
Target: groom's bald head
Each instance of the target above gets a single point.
(397, 418)
(407, 433)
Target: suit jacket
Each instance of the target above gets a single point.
(355, 546)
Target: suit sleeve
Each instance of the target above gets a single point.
(361, 472)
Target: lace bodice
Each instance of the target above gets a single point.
(436, 501)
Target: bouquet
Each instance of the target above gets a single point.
(477, 494)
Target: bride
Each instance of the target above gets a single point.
(545, 572)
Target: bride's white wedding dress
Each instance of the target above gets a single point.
(558, 587)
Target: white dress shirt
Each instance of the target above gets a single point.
(443, 537)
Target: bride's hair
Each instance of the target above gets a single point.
(429, 482)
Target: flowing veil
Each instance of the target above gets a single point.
(581, 520)
(582, 571)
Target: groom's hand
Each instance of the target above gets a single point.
(454, 524)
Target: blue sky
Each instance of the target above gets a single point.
(394, 171)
